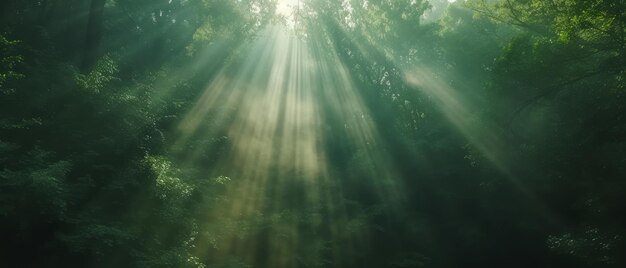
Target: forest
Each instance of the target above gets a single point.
(313, 133)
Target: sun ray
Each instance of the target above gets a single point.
(287, 96)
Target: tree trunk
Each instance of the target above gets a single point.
(6, 7)
(93, 34)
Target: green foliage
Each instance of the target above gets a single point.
(473, 156)
(178, 257)
(411, 259)
(591, 246)
(9, 60)
(40, 176)
(168, 186)
(222, 180)
(104, 72)
(98, 239)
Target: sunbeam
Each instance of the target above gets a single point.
(289, 95)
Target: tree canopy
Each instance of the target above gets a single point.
(312, 133)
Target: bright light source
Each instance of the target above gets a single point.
(286, 8)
